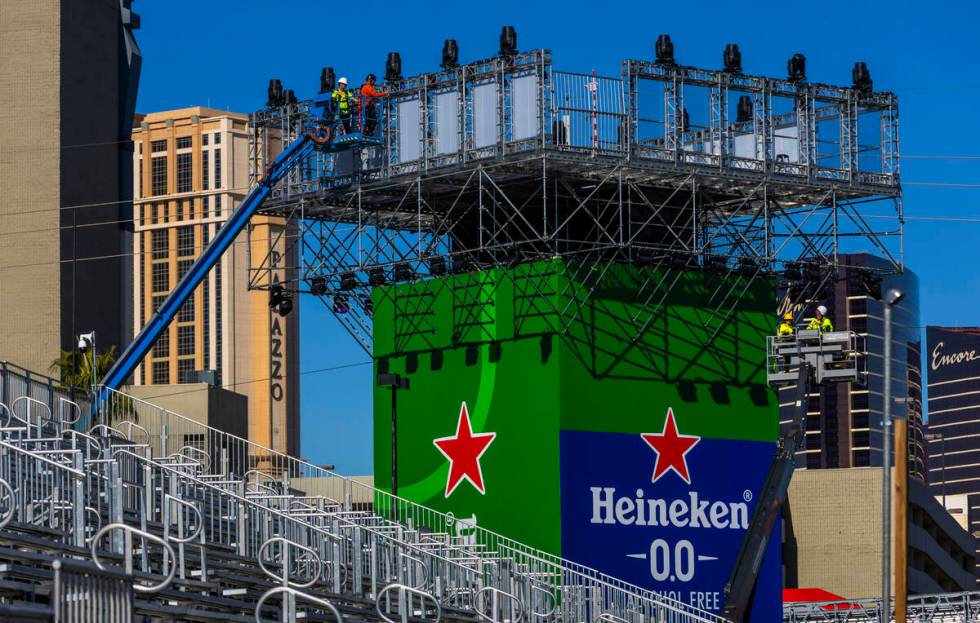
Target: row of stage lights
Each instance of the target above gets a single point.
(796, 276)
(664, 52)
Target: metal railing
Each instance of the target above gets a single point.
(546, 579)
(941, 607)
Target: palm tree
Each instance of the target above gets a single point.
(74, 368)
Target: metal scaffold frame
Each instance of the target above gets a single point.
(507, 161)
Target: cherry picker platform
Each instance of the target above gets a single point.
(805, 358)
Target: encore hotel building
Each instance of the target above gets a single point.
(191, 172)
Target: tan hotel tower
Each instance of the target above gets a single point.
(191, 171)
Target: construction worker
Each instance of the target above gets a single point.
(343, 103)
(821, 321)
(786, 325)
(369, 102)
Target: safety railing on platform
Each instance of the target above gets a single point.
(941, 608)
(555, 580)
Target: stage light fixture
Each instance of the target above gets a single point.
(732, 59)
(450, 54)
(508, 41)
(665, 50)
(348, 281)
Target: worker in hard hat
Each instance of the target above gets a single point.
(820, 320)
(786, 325)
(369, 104)
(343, 103)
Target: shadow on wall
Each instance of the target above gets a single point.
(703, 331)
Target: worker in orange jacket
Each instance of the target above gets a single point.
(369, 104)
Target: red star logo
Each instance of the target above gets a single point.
(464, 452)
(671, 449)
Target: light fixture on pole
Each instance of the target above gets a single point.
(395, 382)
(892, 298)
(86, 341)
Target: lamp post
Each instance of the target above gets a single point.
(892, 298)
(395, 382)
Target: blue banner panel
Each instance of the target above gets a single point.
(667, 512)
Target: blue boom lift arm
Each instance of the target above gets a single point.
(134, 353)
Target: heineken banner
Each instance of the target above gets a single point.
(638, 457)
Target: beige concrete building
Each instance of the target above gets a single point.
(68, 77)
(833, 536)
(191, 172)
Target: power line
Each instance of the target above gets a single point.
(303, 373)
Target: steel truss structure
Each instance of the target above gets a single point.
(509, 163)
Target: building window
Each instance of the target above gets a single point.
(161, 372)
(158, 146)
(185, 341)
(217, 205)
(206, 206)
(184, 368)
(138, 191)
(184, 142)
(160, 246)
(161, 277)
(205, 172)
(158, 174)
(204, 139)
(860, 439)
(859, 401)
(217, 138)
(162, 347)
(182, 267)
(158, 300)
(813, 461)
(186, 313)
(185, 240)
(217, 168)
(185, 172)
(862, 458)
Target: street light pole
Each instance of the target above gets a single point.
(892, 297)
(395, 382)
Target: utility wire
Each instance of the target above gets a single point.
(229, 385)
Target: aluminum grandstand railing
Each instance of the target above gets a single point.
(264, 473)
(146, 512)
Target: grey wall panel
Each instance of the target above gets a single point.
(447, 122)
(485, 114)
(408, 130)
(524, 102)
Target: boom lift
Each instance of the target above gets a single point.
(809, 357)
(320, 138)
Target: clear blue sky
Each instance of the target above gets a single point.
(223, 52)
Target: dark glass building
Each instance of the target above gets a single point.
(843, 427)
(953, 368)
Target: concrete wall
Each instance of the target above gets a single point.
(203, 403)
(30, 123)
(833, 539)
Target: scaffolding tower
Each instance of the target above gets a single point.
(508, 161)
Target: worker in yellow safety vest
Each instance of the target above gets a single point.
(786, 325)
(343, 103)
(821, 321)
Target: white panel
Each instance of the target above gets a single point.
(785, 145)
(485, 114)
(524, 102)
(447, 122)
(408, 130)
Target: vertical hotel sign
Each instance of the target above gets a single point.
(277, 344)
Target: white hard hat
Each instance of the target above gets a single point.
(342, 80)
(822, 310)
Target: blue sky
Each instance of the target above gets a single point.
(222, 53)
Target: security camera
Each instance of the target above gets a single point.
(86, 341)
